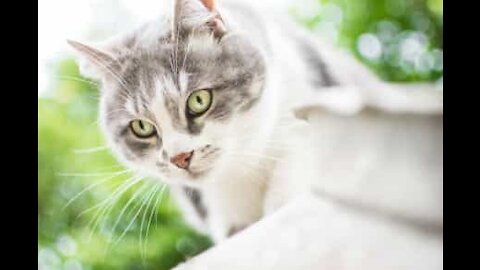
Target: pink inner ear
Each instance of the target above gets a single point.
(209, 4)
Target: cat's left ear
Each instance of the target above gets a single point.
(93, 62)
(197, 14)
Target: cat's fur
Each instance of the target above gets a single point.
(259, 67)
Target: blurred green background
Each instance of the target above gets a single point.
(102, 229)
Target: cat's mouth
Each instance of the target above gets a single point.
(202, 163)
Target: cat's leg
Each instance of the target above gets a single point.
(294, 172)
(233, 204)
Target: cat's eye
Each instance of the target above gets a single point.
(199, 102)
(142, 128)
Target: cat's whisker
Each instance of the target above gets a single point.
(109, 204)
(142, 204)
(147, 105)
(90, 150)
(126, 96)
(94, 123)
(135, 195)
(150, 217)
(93, 174)
(177, 43)
(116, 111)
(119, 190)
(187, 50)
(94, 97)
(103, 208)
(99, 62)
(152, 212)
(77, 79)
(162, 195)
(113, 167)
(144, 216)
(91, 186)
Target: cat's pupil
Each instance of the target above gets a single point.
(140, 123)
(199, 100)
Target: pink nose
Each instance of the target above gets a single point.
(182, 160)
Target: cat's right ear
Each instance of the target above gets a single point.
(191, 14)
(93, 62)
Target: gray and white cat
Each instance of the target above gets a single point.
(202, 100)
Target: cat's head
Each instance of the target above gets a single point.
(179, 96)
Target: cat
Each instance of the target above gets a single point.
(203, 100)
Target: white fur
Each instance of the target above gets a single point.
(265, 160)
(289, 165)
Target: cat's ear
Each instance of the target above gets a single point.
(191, 14)
(93, 62)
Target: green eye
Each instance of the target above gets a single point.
(142, 129)
(199, 102)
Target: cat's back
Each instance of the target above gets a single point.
(300, 55)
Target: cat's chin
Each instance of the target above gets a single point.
(189, 178)
(197, 178)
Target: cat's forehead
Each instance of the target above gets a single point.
(159, 71)
(140, 60)
(199, 59)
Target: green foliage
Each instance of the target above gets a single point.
(400, 39)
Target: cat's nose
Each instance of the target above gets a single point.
(182, 160)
